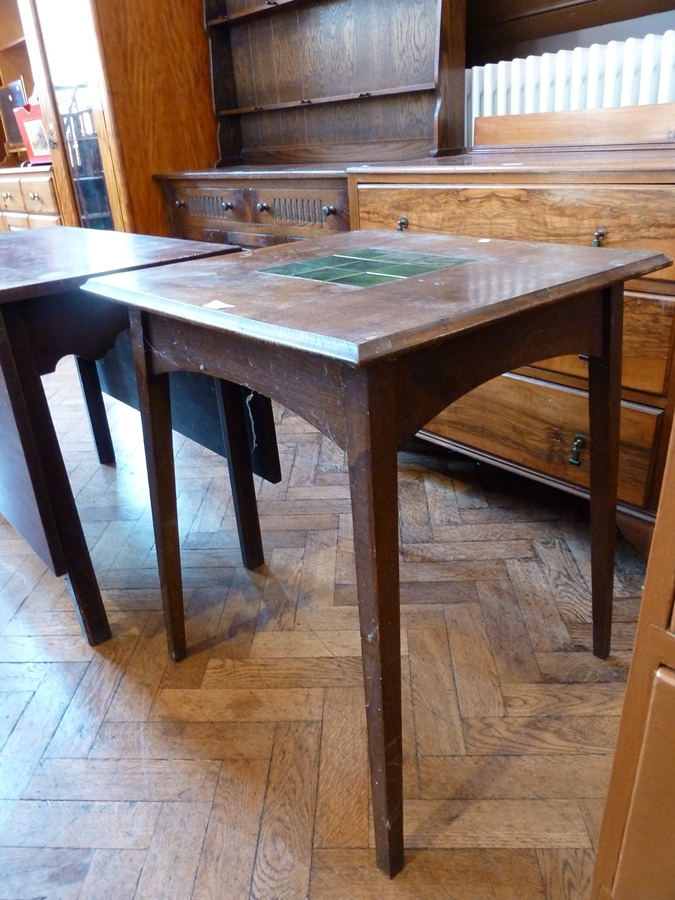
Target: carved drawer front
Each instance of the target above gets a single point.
(647, 334)
(11, 198)
(195, 206)
(630, 216)
(542, 426)
(44, 221)
(38, 195)
(315, 211)
(13, 221)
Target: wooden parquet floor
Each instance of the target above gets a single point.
(241, 772)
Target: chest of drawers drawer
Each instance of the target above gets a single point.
(38, 196)
(11, 199)
(497, 419)
(647, 337)
(627, 216)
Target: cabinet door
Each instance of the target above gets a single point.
(647, 861)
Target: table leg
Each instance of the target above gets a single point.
(93, 398)
(232, 413)
(604, 385)
(155, 407)
(35, 467)
(371, 452)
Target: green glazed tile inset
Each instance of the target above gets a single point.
(366, 268)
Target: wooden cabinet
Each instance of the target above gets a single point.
(303, 87)
(14, 66)
(635, 859)
(305, 81)
(27, 199)
(139, 81)
(256, 207)
(535, 421)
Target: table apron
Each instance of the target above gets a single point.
(427, 379)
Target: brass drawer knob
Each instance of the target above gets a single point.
(402, 223)
(33, 195)
(328, 211)
(262, 207)
(225, 204)
(179, 203)
(6, 195)
(599, 236)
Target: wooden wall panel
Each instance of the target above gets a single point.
(157, 72)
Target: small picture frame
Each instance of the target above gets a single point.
(12, 95)
(29, 120)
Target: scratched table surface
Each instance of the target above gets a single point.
(267, 294)
(368, 335)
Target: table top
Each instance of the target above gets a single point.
(370, 295)
(38, 261)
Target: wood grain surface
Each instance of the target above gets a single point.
(236, 774)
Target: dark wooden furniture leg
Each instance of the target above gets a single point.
(98, 420)
(371, 452)
(231, 407)
(66, 550)
(154, 396)
(604, 409)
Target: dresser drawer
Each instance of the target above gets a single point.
(38, 195)
(44, 221)
(630, 216)
(14, 221)
(11, 198)
(314, 211)
(195, 206)
(647, 335)
(534, 425)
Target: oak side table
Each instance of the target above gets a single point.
(368, 335)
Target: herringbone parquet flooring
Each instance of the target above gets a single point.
(241, 772)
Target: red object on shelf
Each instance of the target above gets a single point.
(29, 120)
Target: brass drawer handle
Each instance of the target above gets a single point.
(33, 195)
(577, 447)
(402, 223)
(262, 207)
(6, 195)
(328, 211)
(599, 236)
(225, 204)
(179, 203)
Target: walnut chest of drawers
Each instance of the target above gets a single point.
(535, 421)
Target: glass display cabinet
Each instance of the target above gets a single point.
(67, 47)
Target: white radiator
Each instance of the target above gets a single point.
(621, 73)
